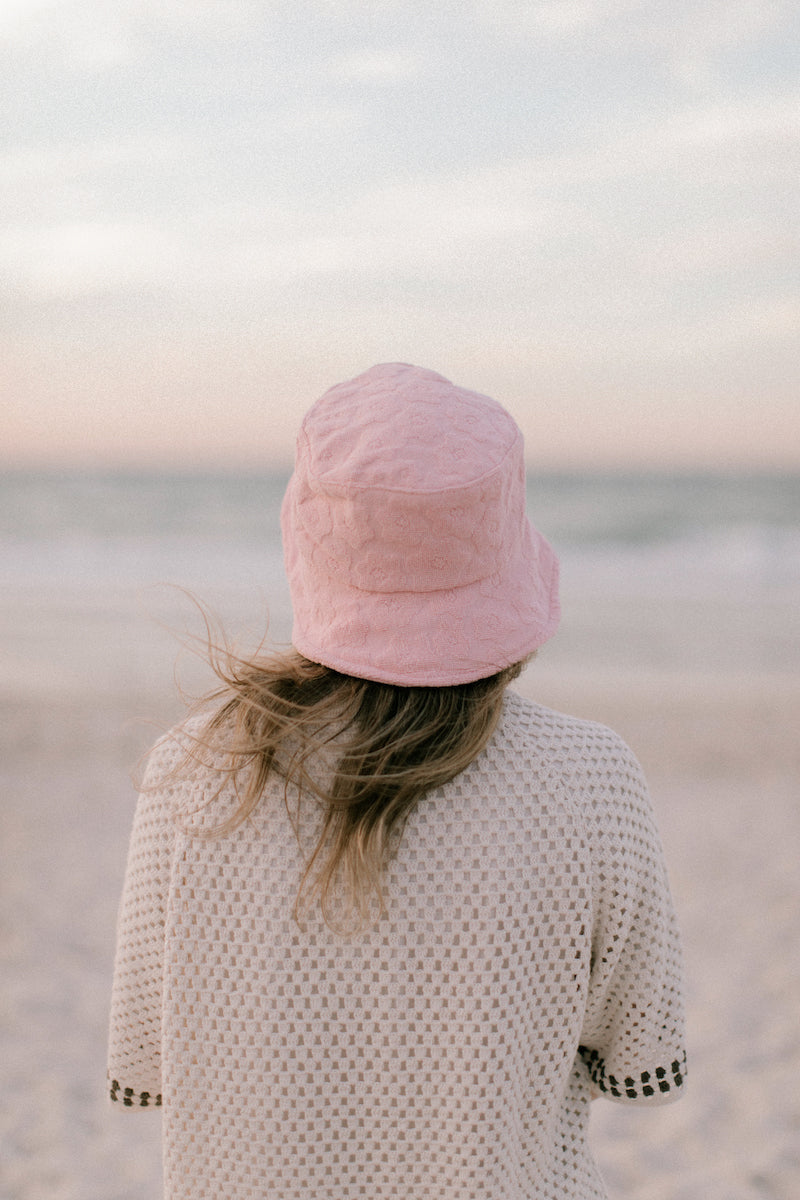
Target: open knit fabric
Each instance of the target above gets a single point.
(528, 956)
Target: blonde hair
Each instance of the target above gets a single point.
(391, 745)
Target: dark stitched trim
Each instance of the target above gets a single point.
(132, 1099)
(649, 1083)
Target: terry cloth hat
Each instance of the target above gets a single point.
(409, 556)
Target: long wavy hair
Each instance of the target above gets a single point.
(389, 745)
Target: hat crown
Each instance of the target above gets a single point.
(405, 483)
(402, 427)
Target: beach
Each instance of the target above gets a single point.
(703, 682)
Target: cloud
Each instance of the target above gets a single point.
(69, 36)
(773, 318)
(761, 119)
(48, 164)
(83, 258)
(629, 26)
(556, 19)
(61, 23)
(376, 66)
(435, 219)
(164, 170)
(560, 213)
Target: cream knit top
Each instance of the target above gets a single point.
(528, 957)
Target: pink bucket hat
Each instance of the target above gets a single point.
(409, 556)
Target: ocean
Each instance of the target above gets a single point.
(659, 572)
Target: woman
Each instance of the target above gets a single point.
(387, 927)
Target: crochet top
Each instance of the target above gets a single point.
(528, 957)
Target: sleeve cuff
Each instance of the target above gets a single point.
(128, 1098)
(658, 1085)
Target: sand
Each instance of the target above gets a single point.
(722, 753)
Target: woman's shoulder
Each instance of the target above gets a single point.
(587, 756)
(181, 757)
(172, 745)
(558, 732)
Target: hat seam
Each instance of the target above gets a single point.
(417, 491)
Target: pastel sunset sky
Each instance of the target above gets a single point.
(214, 209)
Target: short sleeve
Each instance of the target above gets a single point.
(633, 1039)
(134, 1051)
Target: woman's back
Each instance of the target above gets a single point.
(527, 957)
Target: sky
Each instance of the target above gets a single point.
(212, 210)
